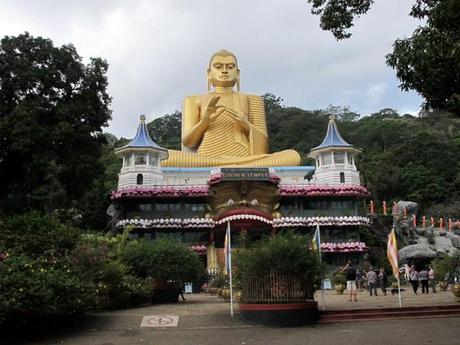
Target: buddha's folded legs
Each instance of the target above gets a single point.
(188, 159)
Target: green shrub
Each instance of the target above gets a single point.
(285, 254)
(31, 287)
(447, 267)
(115, 286)
(163, 259)
(34, 234)
(139, 256)
(132, 291)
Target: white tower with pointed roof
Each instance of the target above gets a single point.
(335, 159)
(141, 159)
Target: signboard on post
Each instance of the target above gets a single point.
(188, 287)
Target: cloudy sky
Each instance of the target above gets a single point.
(158, 50)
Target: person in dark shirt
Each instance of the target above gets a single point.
(350, 275)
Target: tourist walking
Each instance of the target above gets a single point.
(372, 282)
(350, 275)
(423, 277)
(432, 279)
(383, 280)
(413, 278)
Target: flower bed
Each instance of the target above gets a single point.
(278, 277)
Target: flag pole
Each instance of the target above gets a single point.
(399, 293)
(230, 267)
(318, 244)
(322, 273)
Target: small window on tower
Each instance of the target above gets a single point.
(339, 158)
(140, 179)
(350, 159)
(342, 177)
(128, 160)
(153, 159)
(326, 158)
(140, 159)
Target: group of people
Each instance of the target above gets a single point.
(378, 278)
(425, 277)
(357, 279)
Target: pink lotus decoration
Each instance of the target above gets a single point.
(343, 247)
(323, 190)
(312, 221)
(207, 223)
(201, 190)
(200, 249)
(167, 223)
(162, 191)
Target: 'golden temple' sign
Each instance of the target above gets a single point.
(246, 174)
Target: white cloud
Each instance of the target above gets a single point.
(375, 93)
(158, 50)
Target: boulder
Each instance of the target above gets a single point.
(416, 251)
(420, 231)
(423, 249)
(455, 242)
(410, 206)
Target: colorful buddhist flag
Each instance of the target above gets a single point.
(316, 242)
(392, 253)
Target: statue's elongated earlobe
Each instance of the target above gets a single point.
(238, 81)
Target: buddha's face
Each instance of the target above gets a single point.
(223, 71)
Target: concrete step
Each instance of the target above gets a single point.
(332, 316)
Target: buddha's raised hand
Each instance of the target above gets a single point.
(211, 109)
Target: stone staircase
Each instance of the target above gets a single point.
(336, 316)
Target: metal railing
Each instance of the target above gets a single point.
(274, 288)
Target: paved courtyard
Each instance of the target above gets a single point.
(205, 319)
(332, 301)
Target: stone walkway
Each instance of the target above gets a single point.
(205, 304)
(205, 319)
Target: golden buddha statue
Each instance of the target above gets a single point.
(225, 128)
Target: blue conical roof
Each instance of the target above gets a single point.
(333, 137)
(142, 138)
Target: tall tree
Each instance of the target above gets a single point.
(428, 62)
(337, 16)
(52, 110)
(166, 130)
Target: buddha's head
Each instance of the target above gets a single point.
(223, 70)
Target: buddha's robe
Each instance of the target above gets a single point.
(225, 143)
